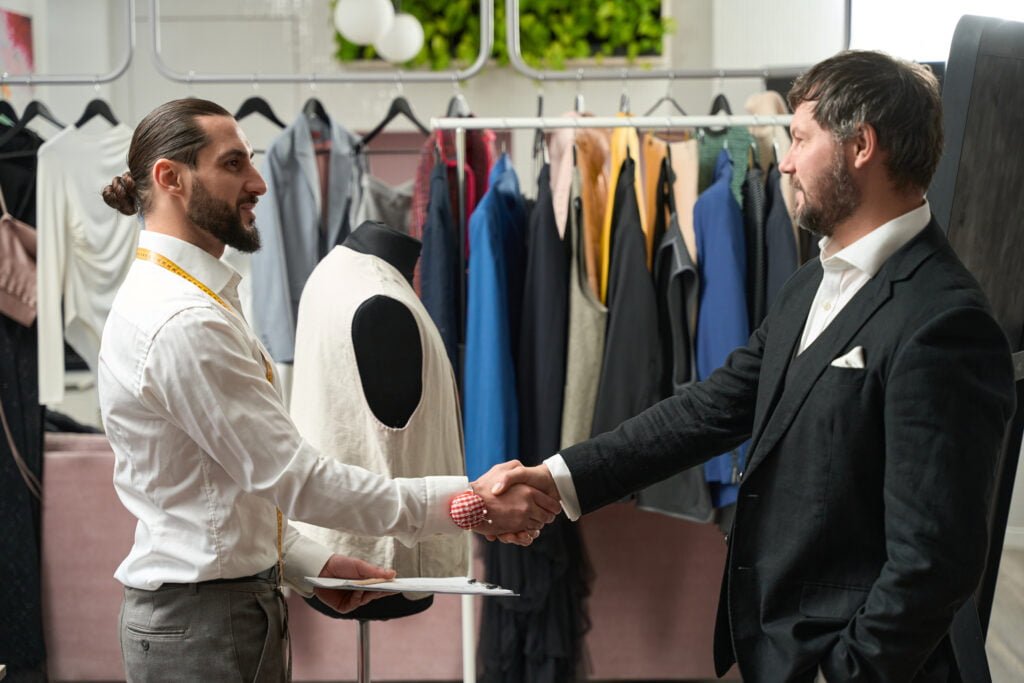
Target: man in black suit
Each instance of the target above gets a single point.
(876, 394)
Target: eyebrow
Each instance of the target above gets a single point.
(231, 153)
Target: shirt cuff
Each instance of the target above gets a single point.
(303, 557)
(563, 482)
(440, 491)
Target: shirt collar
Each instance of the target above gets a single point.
(200, 264)
(873, 249)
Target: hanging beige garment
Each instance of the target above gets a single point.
(652, 152)
(686, 166)
(585, 339)
(560, 146)
(773, 143)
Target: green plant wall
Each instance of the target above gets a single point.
(551, 31)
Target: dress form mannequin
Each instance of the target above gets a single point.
(390, 357)
(372, 378)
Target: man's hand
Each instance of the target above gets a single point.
(341, 567)
(520, 501)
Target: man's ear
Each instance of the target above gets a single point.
(169, 176)
(864, 145)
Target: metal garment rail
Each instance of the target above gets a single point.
(515, 58)
(657, 122)
(83, 79)
(392, 76)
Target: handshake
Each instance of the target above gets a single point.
(519, 501)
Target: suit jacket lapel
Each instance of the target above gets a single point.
(834, 339)
(784, 335)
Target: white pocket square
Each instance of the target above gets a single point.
(853, 359)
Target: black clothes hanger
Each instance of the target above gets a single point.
(314, 109)
(36, 108)
(720, 104)
(538, 135)
(258, 105)
(33, 109)
(399, 105)
(96, 107)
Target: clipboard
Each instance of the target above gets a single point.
(455, 585)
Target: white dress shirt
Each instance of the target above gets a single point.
(845, 272)
(205, 449)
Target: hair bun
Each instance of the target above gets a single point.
(120, 194)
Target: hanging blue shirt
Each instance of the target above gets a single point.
(722, 316)
(497, 259)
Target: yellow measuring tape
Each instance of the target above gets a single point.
(144, 254)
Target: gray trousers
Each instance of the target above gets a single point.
(228, 630)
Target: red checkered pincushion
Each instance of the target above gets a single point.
(468, 510)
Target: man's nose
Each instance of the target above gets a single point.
(256, 184)
(786, 165)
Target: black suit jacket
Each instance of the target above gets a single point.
(861, 523)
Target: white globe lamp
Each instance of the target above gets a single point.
(363, 22)
(402, 41)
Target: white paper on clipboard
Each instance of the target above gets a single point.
(458, 585)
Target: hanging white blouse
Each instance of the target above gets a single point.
(84, 247)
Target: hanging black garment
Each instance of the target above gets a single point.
(685, 494)
(779, 244)
(543, 330)
(439, 264)
(753, 228)
(538, 637)
(631, 368)
(21, 632)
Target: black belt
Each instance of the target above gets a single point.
(265, 576)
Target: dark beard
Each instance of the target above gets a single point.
(835, 200)
(221, 220)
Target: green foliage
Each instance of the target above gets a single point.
(551, 32)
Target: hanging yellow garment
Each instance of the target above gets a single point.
(624, 141)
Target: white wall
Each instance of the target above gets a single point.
(772, 34)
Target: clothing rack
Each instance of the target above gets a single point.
(461, 125)
(84, 79)
(397, 76)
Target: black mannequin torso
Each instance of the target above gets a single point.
(385, 336)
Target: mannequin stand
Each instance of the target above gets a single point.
(391, 607)
(363, 648)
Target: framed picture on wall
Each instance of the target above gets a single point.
(16, 56)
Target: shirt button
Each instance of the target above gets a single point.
(827, 305)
